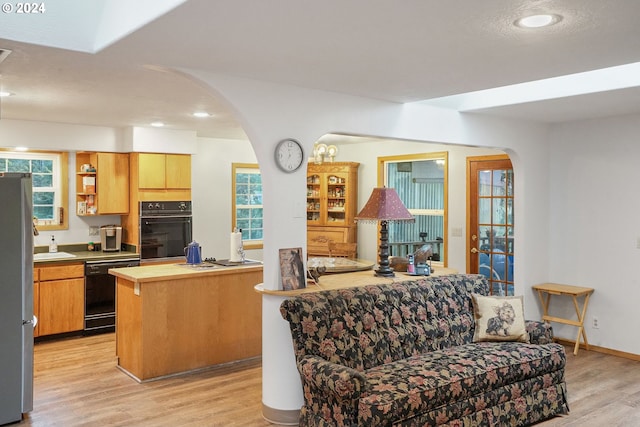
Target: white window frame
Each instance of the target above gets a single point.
(244, 168)
(58, 181)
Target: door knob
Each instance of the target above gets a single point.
(474, 250)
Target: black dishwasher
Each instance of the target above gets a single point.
(100, 294)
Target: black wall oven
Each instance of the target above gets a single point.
(165, 229)
(100, 294)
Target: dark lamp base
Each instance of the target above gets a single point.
(384, 272)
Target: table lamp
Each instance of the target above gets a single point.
(384, 206)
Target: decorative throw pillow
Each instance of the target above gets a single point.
(499, 318)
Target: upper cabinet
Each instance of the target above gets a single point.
(102, 183)
(164, 171)
(155, 177)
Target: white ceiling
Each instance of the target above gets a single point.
(406, 51)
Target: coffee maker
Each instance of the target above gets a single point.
(110, 238)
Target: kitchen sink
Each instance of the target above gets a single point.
(52, 255)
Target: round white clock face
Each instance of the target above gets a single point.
(289, 155)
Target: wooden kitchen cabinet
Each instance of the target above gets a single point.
(110, 195)
(154, 177)
(178, 173)
(164, 171)
(60, 298)
(332, 198)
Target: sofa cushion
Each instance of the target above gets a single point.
(420, 384)
(499, 318)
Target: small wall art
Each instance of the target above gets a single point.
(292, 269)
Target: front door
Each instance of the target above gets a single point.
(491, 227)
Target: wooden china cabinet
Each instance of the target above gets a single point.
(332, 198)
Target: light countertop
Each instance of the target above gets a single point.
(161, 272)
(354, 279)
(82, 256)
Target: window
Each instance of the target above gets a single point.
(246, 209)
(421, 183)
(48, 173)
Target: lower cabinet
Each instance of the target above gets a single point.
(318, 238)
(60, 299)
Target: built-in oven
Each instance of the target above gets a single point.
(100, 294)
(165, 229)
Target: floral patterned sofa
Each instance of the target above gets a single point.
(403, 355)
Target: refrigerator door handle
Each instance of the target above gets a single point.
(33, 322)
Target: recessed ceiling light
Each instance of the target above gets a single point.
(157, 124)
(201, 114)
(538, 21)
(4, 94)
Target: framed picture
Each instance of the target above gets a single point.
(292, 269)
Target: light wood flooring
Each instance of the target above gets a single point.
(77, 384)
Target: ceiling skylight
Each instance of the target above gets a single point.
(603, 80)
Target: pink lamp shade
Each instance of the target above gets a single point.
(384, 204)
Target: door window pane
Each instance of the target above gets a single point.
(484, 211)
(495, 229)
(484, 183)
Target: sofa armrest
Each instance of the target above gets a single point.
(343, 382)
(539, 332)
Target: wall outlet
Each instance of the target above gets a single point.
(94, 231)
(596, 322)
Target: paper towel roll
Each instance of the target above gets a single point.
(236, 247)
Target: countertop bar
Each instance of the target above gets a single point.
(350, 280)
(161, 272)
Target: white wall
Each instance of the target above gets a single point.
(60, 136)
(154, 140)
(211, 193)
(594, 237)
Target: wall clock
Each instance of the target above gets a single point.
(289, 155)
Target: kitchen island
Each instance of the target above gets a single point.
(174, 318)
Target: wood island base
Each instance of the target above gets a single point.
(179, 320)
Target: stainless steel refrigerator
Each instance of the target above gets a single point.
(16, 296)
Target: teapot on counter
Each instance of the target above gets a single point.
(193, 253)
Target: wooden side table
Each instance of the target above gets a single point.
(545, 290)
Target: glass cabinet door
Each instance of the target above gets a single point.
(313, 199)
(336, 191)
